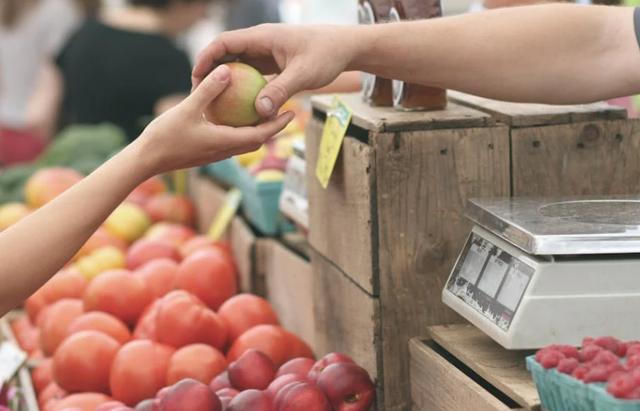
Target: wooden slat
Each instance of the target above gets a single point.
(381, 119)
(340, 217)
(527, 115)
(436, 385)
(209, 197)
(504, 369)
(289, 289)
(424, 180)
(599, 158)
(346, 317)
(243, 243)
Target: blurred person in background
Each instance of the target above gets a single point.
(31, 32)
(242, 14)
(122, 67)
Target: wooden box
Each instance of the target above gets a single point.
(387, 230)
(459, 368)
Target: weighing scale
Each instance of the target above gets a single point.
(541, 271)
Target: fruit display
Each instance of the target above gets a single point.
(603, 374)
(147, 316)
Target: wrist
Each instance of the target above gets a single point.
(138, 160)
(361, 44)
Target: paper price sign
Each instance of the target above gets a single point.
(11, 360)
(335, 128)
(225, 214)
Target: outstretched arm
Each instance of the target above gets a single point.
(556, 53)
(35, 248)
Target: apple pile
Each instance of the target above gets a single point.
(604, 360)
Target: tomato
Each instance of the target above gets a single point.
(41, 376)
(159, 276)
(86, 401)
(29, 339)
(56, 321)
(208, 275)
(244, 311)
(103, 322)
(183, 319)
(277, 343)
(21, 324)
(146, 327)
(198, 361)
(172, 208)
(118, 293)
(83, 362)
(51, 392)
(146, 250)
(65, 284)
(176, 234)
(139, 371)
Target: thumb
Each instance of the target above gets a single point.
(279, 91)
(209, 88)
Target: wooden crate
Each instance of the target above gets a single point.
(24, 376)
(287, 280)
(391, 222)
(459, 368)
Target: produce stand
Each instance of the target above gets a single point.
(389, 227)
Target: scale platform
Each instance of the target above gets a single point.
(540, 271)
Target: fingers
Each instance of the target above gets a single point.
(250, 136)
(209, 89)
(280, 90)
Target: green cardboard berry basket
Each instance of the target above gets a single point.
(225, 171)
(561, 392)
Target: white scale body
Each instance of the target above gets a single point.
(536, 272)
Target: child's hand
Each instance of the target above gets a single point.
(182, 138)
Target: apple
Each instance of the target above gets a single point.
(146, 405)
(227, 392)
(220, 382)
(251, 400)
(253, 370)
(110, 406)
(300, 366)
(190, 395)
(329, 359)
(236, 105)
(347, 386)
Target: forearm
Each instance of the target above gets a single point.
(42, 243)
(557, 54)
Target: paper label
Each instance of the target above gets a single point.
(11, 360)
(338, 119)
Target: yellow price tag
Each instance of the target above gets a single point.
(180, 182)
(335, 128)
(225, 214)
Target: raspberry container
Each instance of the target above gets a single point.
(561, 392)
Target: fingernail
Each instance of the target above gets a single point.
(221, 73)
(267, 104)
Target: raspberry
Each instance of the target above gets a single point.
(633, 361)
(608, 343)
(633, 395)
(587, 342)
(541, 353)
(623, 347)
(596, 374)
(615, 367)
(616, 374)
(633, 350)
(621, 386)
(581, 372)
(589, 352)
(550, 359)
(635, 373)
(568, 365)
(569, 351)
(605, 357)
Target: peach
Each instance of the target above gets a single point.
(253, 370)
(300, 366)
(190, 395)
(11, 213)
(227, 392)
(146, 250)
(281, 382)
(279, 399)
(225, 402)
(172, 208)
(99, 261)
(101, 238)
(235, 106)
(173, 233)
(200, 362)
(146, 405)
(49, 183)
(251, 400)
(159, 276)
(329, 359)
(220, 382)
(110, 406)
(128, 222)
(151, 187)
(347, 386)
(304, 396)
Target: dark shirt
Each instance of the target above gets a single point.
(242, 14)
(117, 76)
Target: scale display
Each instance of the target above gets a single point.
(490, 280)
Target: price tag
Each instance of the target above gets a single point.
(338, 119)
(11, 360)
(225, 214)
(180, 182)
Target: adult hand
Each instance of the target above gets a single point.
(303, 57)
(183, 138)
